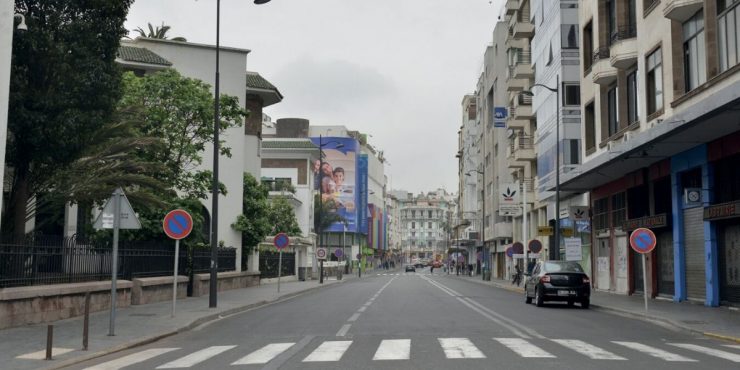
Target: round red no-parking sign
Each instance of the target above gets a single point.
(177, 224)
(643, 240)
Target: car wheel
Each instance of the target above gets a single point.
(585, 303)
(527, 298)
(539, 299)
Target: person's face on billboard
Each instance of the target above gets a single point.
(316, 165)
(326, 169)
(339, 177)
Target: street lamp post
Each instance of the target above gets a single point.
(213, 283)
(555, 251)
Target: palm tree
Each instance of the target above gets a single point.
(158, 33)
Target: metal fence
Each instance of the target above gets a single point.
(269, 264)
(40, 260)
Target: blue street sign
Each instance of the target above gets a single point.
(499, 113)
(281, 241)
(643, 240)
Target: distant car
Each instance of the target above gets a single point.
(410, 268)
(419, 264)
(558, 281)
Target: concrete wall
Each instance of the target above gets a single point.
(47, 303)
(157, 289)
(226, 281)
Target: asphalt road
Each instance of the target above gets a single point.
(422, 321)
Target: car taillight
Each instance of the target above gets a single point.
(586, 280)
(545, 279)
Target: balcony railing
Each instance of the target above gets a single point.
(524, 99)
(624, 32)
(524, 57)
(601, 53)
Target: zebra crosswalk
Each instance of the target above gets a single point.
(329, 351)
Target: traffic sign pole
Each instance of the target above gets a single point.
(177, 224)
(280, 268)
(114, 264)
(643, 241)
(644, 281)
(174, 276)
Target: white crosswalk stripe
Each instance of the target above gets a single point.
(655, 352)
(393, 349)
(524, 348)
(708, 351)
(735, 346)
(264, 354)
(131, 359)
(196, 357)
(460, 348)
(329, 351)
(588, 350)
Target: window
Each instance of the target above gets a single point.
(413, 234)
(569, 36)
(572, 94)
(413, 225)
(611, 19)
(590, 128)
(601, 215)
(430, 214)
(694, 60)
(413, 214)
(588, 47)
(728, 29)
(619, 209)
(632, 99)
(429, 225)
(549, 56)
(571, 152)
(612, 110)
(654, 82)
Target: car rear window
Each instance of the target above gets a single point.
(563, 267)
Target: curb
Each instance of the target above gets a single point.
(655, 320)
(195, 323)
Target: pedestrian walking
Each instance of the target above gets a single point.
(517, 276)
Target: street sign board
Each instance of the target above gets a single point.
(545, 230)
(359, 256)
(281, 241)
(509, 203)
(128, 216)
(643, 240)
(177, 224)
(339, 252)
(573, 249)
(321, 253)
(535, 246)
(499, 117)
(509, 252)
(518, 248)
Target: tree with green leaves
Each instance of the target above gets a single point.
(282, 217)
(64, 86)
(159, 32)
(179, 111)
(254, 222)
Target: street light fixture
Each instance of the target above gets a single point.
(483, 219)
(22, 26)
(213, 283)
(555, 251)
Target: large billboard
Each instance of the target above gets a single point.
(336, 178)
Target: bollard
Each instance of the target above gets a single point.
(49, 340)
(86, 323)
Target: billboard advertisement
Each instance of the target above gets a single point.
(362, 214)
(336, 178)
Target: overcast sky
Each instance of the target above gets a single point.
(394, 69)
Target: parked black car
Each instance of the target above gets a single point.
(410, 268)
(558, 281)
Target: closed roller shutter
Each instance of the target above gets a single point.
(729, 253)
(693, 224)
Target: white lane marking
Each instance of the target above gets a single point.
(361, 309)
(40, 355)
(588, 350)
(329, 351)
(503, 318)
(343, 331)
(354, 317)
(195, 357)
(131, 359)
(524, 348)
(460, 348)
(708, 351)
(655, 352)
(735, 346)
(393, 349)
(264, 354)
(514, 330)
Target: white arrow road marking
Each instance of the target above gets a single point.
(460, 348)
(329, 351)
(524, 348)
(393, 349)
(264, 354)
(655, 352)
(196, 357)
(588, 350)
(131, 359)
(708, 351)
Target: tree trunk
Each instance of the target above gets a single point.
(19, 202)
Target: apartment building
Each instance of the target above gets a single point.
(660, 96)
(557, 136)
(424, 220)
(467, 226)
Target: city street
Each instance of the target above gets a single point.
(397, 320)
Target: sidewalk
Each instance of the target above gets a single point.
(135, 325)
(716, 322)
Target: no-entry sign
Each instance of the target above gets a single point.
(643, 240)
(177, 224)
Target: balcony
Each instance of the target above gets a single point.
(521, 108)
(511, 6)
(602, 71)
(513, 83)
(681, 10)
(523, 30)
(623, 49)
(523, 67)
(502, 230)
(523, 148)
